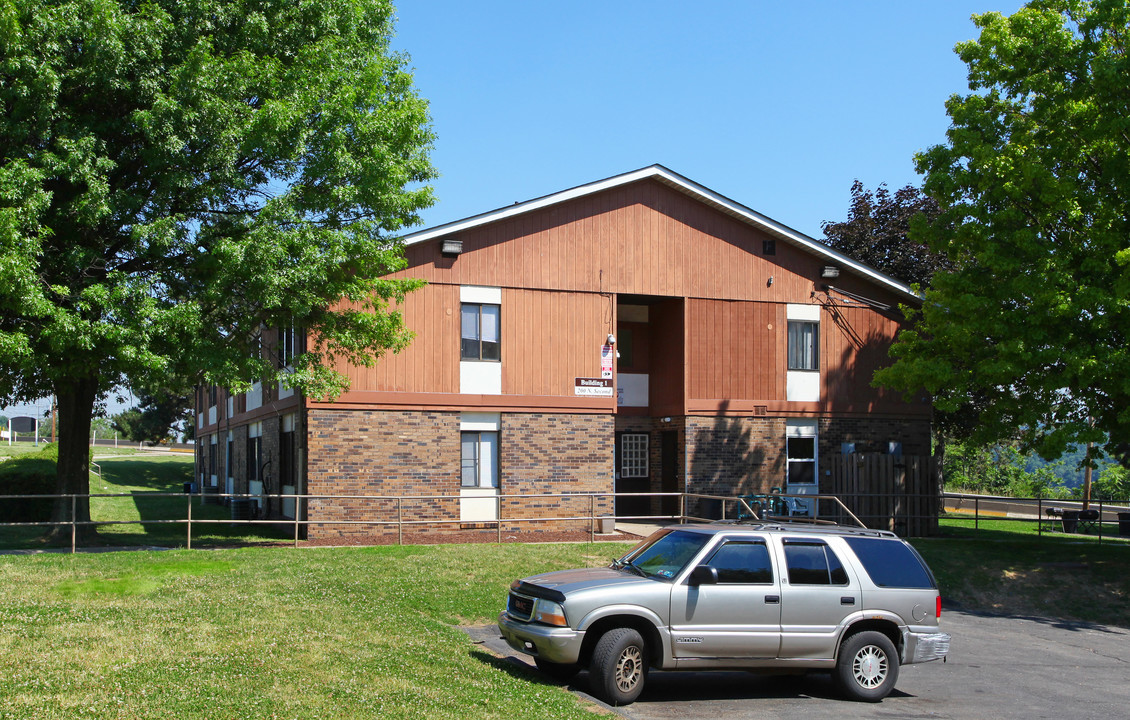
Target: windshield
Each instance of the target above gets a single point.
(664, 554)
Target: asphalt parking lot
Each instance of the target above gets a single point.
(998, 667)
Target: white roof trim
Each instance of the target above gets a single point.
(688, 187)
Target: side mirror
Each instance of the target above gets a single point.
(703, 575)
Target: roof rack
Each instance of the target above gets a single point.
(776, 507)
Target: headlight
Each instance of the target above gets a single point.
(550, 613)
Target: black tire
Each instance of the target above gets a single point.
(868, 666)
(558, 671)
(618, 669)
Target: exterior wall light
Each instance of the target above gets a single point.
(830, 271)
(451, 248)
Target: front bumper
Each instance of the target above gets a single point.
(558, 645)
(924, 647)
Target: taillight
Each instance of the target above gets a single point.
(938, 612)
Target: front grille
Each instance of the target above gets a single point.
(520, 607)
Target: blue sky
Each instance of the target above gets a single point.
(777, 105)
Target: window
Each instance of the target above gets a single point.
(892, 563)
(254, 459)
(813, 563)
(742, 562)
(633, 455)
(801, 452)
(480, 332)
(287, 347)
(479, 459)
(804, 345)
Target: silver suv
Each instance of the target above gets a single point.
(769, 597)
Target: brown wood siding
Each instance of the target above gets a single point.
(551, 338)
(430, 363)
(667, 378)
(855, 342)
(736, 350)
(643, 238)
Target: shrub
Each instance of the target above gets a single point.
(31, 474)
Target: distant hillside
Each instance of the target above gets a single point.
(1067, 468)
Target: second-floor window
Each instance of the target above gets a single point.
(480, 338)
(804, 345)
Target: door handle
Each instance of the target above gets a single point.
(847, 600)
(772, 599)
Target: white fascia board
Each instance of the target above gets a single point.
(688, 187)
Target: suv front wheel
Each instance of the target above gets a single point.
(619, 666)
(868, 666)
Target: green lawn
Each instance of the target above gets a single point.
(151, 488)
(270, 632)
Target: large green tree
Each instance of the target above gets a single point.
(1034, 186)
(178, 174)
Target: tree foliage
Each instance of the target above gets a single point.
(877, 232)
(160, 413)
(1034, 185)
(178, 174)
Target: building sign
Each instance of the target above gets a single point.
(606, 355)
(593, 387)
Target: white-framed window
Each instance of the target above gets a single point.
(634, 455)
(288, 347)
(800, 453)
(480, 336)
(479, 456)
(804, 345)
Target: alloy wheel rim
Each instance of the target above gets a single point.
(629, 668)
(869, 667)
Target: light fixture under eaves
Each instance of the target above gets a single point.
(451, 248)
(830, 271)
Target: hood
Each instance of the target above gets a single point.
(571, 581)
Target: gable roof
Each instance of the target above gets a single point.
(687, 187)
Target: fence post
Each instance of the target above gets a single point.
(399, 521)
(297, 504)
(74, 517)
(976, 513)
(592, 518)
(189, 523)
(1100, 521)
(498, 514)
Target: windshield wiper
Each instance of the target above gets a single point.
(627, 565)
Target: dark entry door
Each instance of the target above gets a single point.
(632, 474)
(669, 469)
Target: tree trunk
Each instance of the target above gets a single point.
(75, 404)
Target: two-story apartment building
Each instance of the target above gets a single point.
(638, 334)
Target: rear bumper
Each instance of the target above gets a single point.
(558, 645)
(924, 647)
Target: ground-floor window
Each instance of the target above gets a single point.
(479, 459)
(800, 449)
(634, 455)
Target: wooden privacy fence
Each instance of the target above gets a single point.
(889, 492)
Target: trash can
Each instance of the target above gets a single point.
(1124, 524)
(1070, 521)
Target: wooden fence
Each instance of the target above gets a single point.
(889, 492)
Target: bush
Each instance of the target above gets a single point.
(30, 474)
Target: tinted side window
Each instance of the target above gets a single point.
(742, 562)
(891, 563)
(812, 563)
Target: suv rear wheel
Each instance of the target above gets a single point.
(619, 666)
(868, 666)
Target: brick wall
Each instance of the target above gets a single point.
(544, 453)
(397, 454)
(740, 455)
